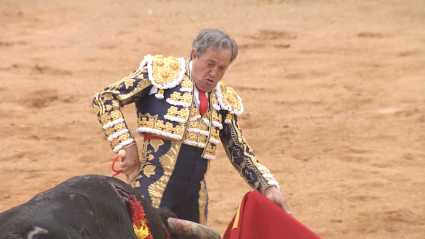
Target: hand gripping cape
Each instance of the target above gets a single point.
(259, 218)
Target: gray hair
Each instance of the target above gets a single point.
(215, 38)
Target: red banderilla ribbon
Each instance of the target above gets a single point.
(121, 154)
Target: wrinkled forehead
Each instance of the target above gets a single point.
(218, 55)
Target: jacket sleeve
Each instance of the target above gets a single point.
(108, 102)
(242, 157)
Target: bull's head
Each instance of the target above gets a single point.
(176, 226)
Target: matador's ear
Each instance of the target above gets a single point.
(193, 55)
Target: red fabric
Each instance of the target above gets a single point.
(203, 105)
(260, 218)
(147, 136)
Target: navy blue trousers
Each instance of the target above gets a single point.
(172, 176)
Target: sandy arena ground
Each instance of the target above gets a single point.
(334, 97)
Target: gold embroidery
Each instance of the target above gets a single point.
(210, 149)
(152, 122)
(115, 105)
(146, 120)
(124, 137)
(191, 136)
(215, 134)
(156, 143)
(213, 98)
(175, 96)
(119, 127)
(108, 107)
(129, 83)
(195, 136)
(108, 96)
(167, 127)
(174, 66)
(229, 97)
(149, 170)
(115, 142)
(241, 148)
(202, 139)
(168, 161)
(109, 131)
(194, 111)
(116, 114)
(186, 97)
(151, 157)
(187, 83)
(165, 70)
(105, 119)
(174, 112)
(229, 116)
(137, 73)
(203, 126)
(144, 159)
(202, 202)
(164, 74)
(143, 84)
(136, 184)
(178, 130)
(193, 124)
(216, 117)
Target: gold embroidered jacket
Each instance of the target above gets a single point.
(163, 93)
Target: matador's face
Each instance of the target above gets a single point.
(209, 68)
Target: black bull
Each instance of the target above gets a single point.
(90, 206)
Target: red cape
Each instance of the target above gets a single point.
(260, 218)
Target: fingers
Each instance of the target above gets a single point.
(285, 205)
(287, 208)
(277, 197)
(132, 177)
(130, 171)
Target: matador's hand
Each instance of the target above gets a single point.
(277, 197)
(131, 165)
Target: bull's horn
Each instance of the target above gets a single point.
(188, 228)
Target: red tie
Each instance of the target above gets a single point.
(203, 105)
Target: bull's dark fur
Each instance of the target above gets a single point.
(90, 206)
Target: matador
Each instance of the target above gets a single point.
(184, 111)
